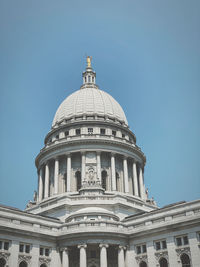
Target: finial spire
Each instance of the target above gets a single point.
(89, 59)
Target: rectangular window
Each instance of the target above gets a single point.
(89, 79)
(138, 249)
(21, 248)
(44, 251)
(27, 249)
(6, 245)
(178, 241)
(123, 135)
(185, 240)
(47, 252)
(114, 133)
(102, 131)
(158, 246)
(144, 249)
(41, 251)
(90, 130)
(78, 131)
(164, 244)
(66, 133)
(57, 136)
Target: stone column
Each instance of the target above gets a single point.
(113, 172)
(40, 191)
(121, 261)
(99, 166)
(83, 255)
(141, 183)
(125, 168)
(135, 180)
(65, 257)
(56, 172)
(68, 172)
(103, 255)
(82, 167)
(46, 186)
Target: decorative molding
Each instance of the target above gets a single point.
(24, 257)
(142, 258)
(45, 260)
(5, 255)
(161, 254)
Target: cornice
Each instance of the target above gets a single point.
(74, 142)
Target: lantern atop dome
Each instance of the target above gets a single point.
(89, 75)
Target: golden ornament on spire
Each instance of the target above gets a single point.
(89, 59)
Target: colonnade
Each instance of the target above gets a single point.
(103, 255)
(137, 178)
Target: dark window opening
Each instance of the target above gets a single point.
(6, 245)
(90, 130)
(185, 240)
(102, 131)
(23, 264)
(41, 251)
(78, 131)
(78, 180)
(178, 241)
(104, 178)
(138, 249)
(144, 249)
(114, 133)
(143, 264)
(2, 262)
(21, 248)
(158, 246)
(185, 260)
(66, 133)
(164, 244)
(57, 136)
(123, 135)
(47, 252)
(27, 249)
(163, 262)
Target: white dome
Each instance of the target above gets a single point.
(89, 101)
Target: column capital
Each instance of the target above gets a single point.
(113, 154)
(82, 246)
(122, 247)
(98, 152)
(68, 154)
(103, 245)
(56, 158)
(65, 249)
(83, 152)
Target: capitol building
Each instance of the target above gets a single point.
(91, 208)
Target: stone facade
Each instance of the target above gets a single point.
(91, 208)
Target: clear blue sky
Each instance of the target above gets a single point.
(146, 55)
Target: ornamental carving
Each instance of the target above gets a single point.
(23, 257)
(5, 255)
(45, 260)
(162, 254)
(141, 258)
(185, 250)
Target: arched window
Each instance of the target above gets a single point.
(78, 180)
(2, 262)
(23, 264)
(117, 181)
(104, 178)
(185, 260)
(143, 264)
(163, 262)
(43, 265)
